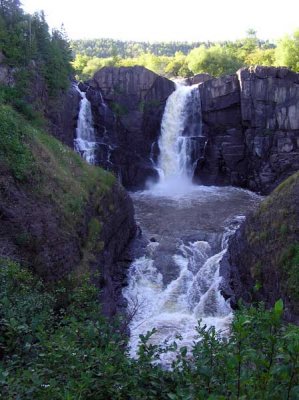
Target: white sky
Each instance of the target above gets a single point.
(161, 20)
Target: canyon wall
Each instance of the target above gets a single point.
(251, 121)
(262, 261)
(128, 105)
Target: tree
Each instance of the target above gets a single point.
(261, 57)
(287, 52)
(215, 61)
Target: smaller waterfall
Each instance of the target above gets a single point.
(85, 142)
(175, 309)
(180, 131)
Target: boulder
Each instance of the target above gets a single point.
(197, 79)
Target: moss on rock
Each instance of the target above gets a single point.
(264, 254)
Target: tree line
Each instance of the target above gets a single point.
(30, 50)
(180, 59)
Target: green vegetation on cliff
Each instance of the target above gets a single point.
(55, 345)
(182, 59)
(266, 253)
(32, 54)
(53, 191)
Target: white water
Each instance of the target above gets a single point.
(175, 280)
(181, 124)
(85, 142)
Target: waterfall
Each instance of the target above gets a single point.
(85, 142)
(180, 134)
(175, 282)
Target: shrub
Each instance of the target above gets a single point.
(53, 349)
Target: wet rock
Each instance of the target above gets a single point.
(250, 121)
(63, 115)
(197, 79)
(261, 263)
(128, 105)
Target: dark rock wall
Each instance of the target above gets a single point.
(270, 114)
(128, 105)
(262, 261)
(33, 232)
(62, 114)
(224, 159)
(252, 126)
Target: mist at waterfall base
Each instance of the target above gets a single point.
(174, 280)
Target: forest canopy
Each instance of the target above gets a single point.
(182, 59)
(29, 49)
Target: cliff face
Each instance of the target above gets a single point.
(59, 215)
(61, 111)
(252, 126)
(250, 121)
(128, 105)
(62, 114)
(262, 261)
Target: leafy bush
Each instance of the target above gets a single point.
(54, 349)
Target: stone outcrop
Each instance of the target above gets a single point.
(66, 217)
(224, 158)
(128, 105)
(270, 116)
(62, 115)
(199, 78)
(262, 261)
(251, 122)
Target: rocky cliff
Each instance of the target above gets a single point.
(128, 105)
(262, 261)
(59, 215)
(60, 110)
(251, 122)
(62, 115)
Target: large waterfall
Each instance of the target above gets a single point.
(174, 280)
(180, 131)
(85, 142)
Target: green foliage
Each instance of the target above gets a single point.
(33, 54)
(290, 265)
(54, 344)
(175, 59)
(105, 48)
(14, 151)
(287, 51)
(118, 109)
(215, 60)
(66, 179)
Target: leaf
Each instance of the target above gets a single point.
(278, 307)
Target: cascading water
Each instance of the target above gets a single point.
(85, 142)
(174, 281)
(180, 131)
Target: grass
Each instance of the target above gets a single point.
(272, 236)
(55, 177)
(14, 149)
(66, 179)
(56, 172)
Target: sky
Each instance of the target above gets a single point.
(169, 20)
